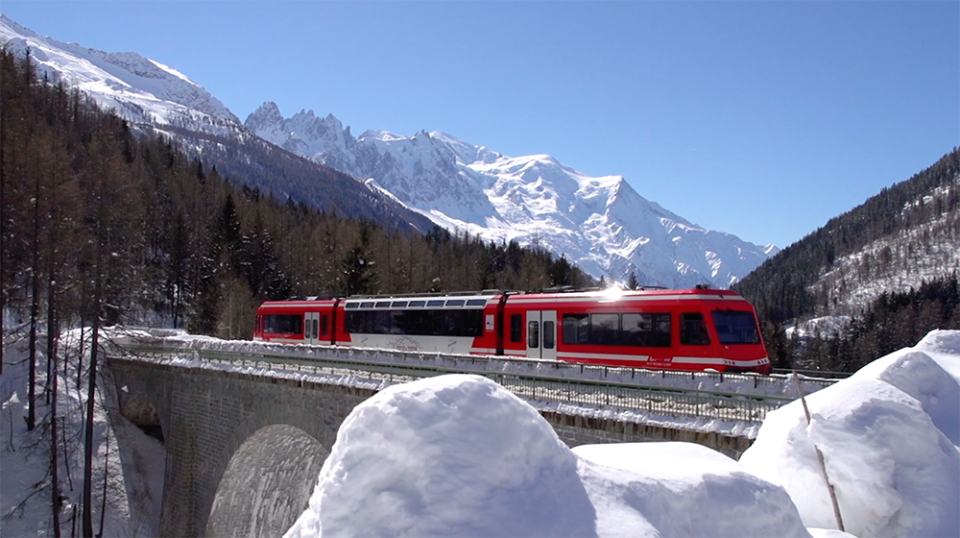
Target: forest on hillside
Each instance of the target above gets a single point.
(909, 229)
(782, 288)
(101, 221)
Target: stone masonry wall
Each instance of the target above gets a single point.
(207, 415)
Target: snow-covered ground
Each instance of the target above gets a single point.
(132, 502)
(459, 455)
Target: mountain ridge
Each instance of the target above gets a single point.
(535, 199)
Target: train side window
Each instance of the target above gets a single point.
(604, 329)
(533, 334)
(693, 330)
(548, 332)
(576, 329)
(282, 324)
(516, 328)
(646, 330)
(324, 324)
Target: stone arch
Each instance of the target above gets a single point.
(135, 408)
(267, 483)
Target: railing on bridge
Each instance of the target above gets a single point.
(744, 398)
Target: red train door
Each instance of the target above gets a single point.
(311, 328)
(542, 334)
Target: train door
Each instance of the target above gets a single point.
(542, 334)
(311, 328)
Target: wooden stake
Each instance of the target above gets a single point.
(823, 466)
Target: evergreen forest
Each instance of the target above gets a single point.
(910, 228)
(102, 221)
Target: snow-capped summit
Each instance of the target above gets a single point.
(599, 223)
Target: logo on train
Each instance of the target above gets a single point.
(405, 344)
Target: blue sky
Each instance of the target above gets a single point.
(761, 119)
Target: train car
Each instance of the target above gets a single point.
(307, 321)
(695, 329)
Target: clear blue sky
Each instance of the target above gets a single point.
(762, 119)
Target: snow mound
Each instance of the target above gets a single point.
(453, 452)
(915, 373)
(684, 489)
(943, 347)
(894, 472)
(459, 455)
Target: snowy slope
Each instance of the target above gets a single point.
(158, 99)
(140, 89)
(599, 223)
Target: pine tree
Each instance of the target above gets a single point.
(358, 266)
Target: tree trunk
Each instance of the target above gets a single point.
(3, 233)
(34, 311)
(53, 335)
(54, 460)
(87, 515)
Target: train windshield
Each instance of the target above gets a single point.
(735, 327)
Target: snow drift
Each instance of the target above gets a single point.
(888, 437)
(459, 455)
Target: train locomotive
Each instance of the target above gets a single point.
(690, 329)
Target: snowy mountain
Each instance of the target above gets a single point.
(158, 99)
(140, 89)
(599, 223)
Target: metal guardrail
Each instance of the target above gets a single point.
(814, 373)
(626, 389)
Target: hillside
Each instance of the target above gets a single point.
(599, 224)
(905, 235)
(171, 241)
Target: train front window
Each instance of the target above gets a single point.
(735, 327)
(282, 324)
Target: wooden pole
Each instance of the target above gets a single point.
(823, 465)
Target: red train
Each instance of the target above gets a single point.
(694, 329)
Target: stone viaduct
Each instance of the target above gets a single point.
(243, 451)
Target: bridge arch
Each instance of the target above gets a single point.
(267, 483)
